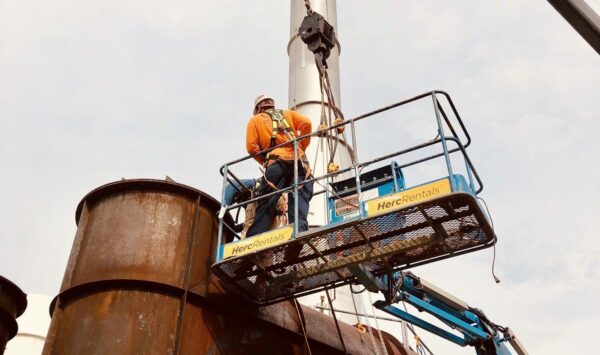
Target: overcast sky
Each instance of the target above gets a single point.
(94, 91)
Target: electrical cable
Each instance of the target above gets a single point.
(357, 292)
(494, 264)
(487, 211)
(484, 319)
(496, 278)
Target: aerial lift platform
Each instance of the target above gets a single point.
(376, 224)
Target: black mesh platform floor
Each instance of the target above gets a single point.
(444, 227)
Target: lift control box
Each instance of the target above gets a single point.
(342, 204)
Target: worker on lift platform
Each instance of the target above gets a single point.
(267, 128)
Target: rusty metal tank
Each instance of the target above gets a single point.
(138, 281)
(13, 303)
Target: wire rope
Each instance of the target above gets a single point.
(301, 320)
(362, 310)
(337, 325)
(420, 344)
(377, 324)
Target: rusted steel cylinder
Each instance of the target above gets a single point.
(138, 281)
(124, 289)
(13, 303)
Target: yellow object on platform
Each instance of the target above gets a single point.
(408, 197)
(261, 241)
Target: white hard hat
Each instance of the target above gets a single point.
(260, 99)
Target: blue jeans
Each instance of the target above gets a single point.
(281, 174)
(231, 190)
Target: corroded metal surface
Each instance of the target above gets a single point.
(138, 281)
(13, 303)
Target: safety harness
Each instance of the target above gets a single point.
(279, 124)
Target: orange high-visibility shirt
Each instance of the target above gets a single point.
(260, 127)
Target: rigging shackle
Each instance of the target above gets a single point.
(339, 120)
(322, 130)
(332, 167)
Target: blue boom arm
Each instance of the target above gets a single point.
(476, 329)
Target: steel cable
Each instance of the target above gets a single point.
(377, 324)
(301, 320)
(420, 344)
(363, 310)
(337, 325)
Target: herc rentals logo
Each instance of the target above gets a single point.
(261, 241)
(408, 197)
